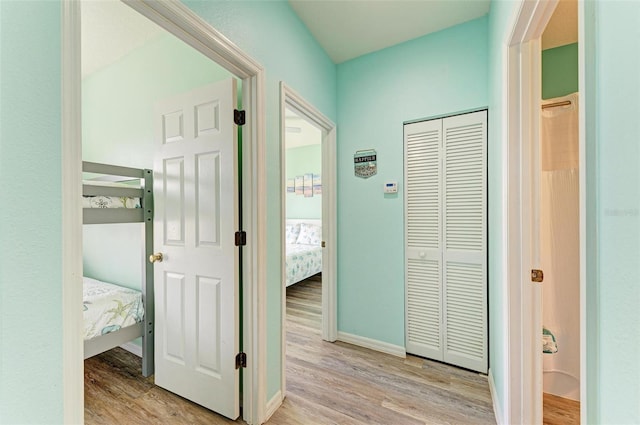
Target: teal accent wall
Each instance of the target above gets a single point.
(560, 71)
(30, 213)
(300, 161)
(441, 73)
(273, 35)
(613, 201)
(502, 15)
(118, 128)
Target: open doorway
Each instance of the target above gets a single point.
(303, 223)
(131, 115)
(525, 247)
(309, 236)
(195, 32)
(559, 239)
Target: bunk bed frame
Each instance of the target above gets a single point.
(144, 215)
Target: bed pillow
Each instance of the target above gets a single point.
(310, 234)
(292, 232)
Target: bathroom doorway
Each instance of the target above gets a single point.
(559, 209)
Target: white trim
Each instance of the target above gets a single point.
(72, 341)
(523, 390)
(372, 344)
(179, 20)
(273, 405)
(497, 410)
(289, 98)
(132, 348)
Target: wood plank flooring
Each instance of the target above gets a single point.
(327, 383)
(560, 411)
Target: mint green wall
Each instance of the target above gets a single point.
(441, 73)
(613, 199)
(501, 20)
(273, 35)
(30, 213)
(299, 161)
(118, 128)
(560, 71)
(118, 101)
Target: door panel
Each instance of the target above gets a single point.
(465, 240)
(196, 218)
(423, 143)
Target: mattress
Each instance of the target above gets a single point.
(302, 261)
(110, 201)
(109, 307)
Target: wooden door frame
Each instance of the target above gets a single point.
(180, 21)
(523, 363)
(290, 98)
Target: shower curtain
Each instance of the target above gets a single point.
(559, 234)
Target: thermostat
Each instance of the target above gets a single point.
(391, 187)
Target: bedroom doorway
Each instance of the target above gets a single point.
(308, 226)
(178, 20)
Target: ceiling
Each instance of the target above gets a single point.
(299, 131)
(562, 29)
(347, 29)
(344, 28)
(110, 30)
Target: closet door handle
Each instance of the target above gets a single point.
(423, 254)
(156, 258)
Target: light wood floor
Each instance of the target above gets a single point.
(327, 383)
(560, 411)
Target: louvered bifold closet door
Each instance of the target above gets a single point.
(465, 240)
(423, 144)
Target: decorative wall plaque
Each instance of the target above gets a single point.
(365, 163)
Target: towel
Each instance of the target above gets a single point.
(549, 344)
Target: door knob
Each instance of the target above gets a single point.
(537, 275)
(153, 258)
(423, 254)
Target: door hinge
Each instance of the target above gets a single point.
(239, 117)
(241, 360)
(537, 275)
(241, 238)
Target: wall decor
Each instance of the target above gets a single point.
(317, 184)
(365, 163)
(299, 182)
(308, 185)
(291, 185)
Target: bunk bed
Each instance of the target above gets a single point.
(133, 311)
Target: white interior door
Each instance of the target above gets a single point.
(196, 283)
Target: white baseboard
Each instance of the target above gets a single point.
(497, 409)
(132, 348)
(273, 405)
(372, 344)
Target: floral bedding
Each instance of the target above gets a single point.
(302, 261)
(110, 202)
(109, 307)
